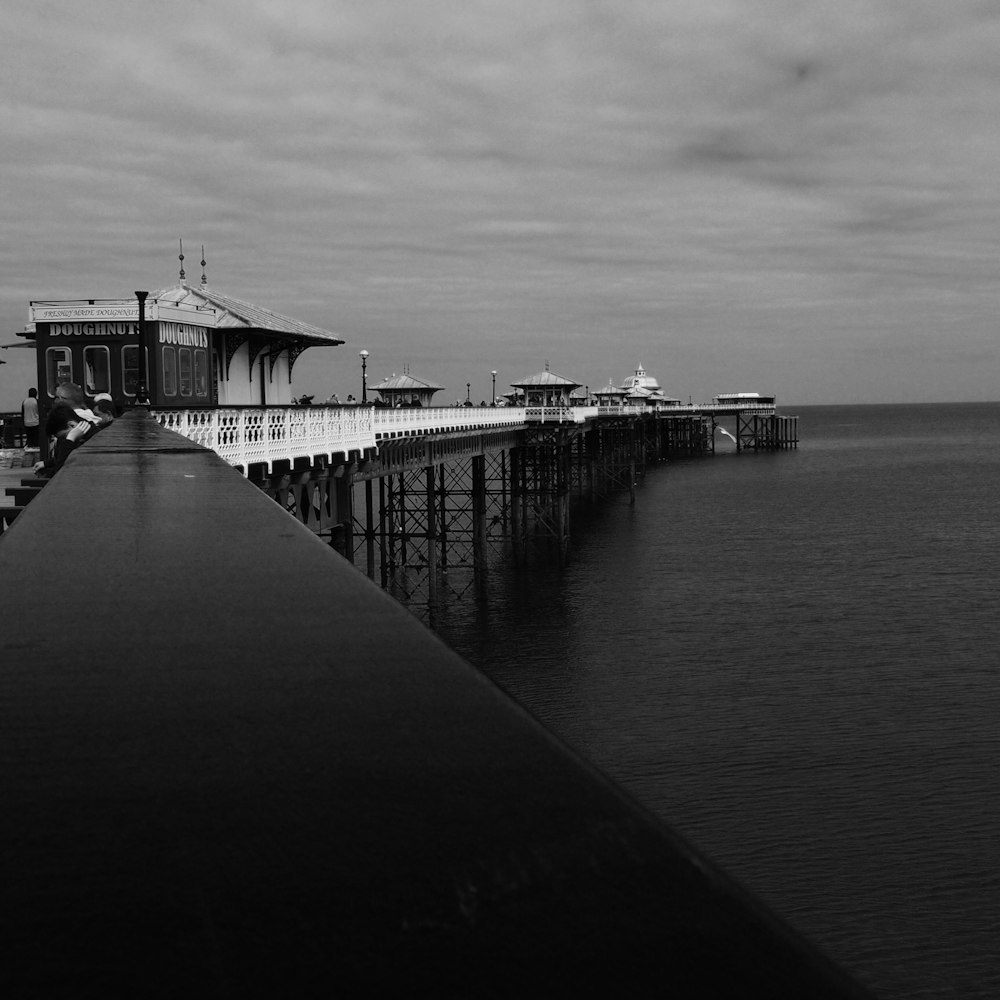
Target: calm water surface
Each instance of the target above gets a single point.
(792, 659)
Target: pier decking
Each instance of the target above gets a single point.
(248, 435)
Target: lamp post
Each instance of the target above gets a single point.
(142, 390)
(364, 376)
(493, 398)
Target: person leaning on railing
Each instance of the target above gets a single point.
(71, 422)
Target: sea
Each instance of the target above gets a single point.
(793, 659)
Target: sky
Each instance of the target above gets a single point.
(795, 197)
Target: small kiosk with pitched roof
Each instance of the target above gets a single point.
(610, 395)
(406, 390)
(203, 348)
(546, 389)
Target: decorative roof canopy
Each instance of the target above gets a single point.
(234, 314)
(640, 380)
(609, 390)
(406, 383)
(546, 379)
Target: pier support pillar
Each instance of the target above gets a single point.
(563, 458)
(382, 534)
(344, 496)
(517, 495)
(369, 529)
(479, 529)
(431, 515)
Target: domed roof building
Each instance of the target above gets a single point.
(642, 389)
(640, 380)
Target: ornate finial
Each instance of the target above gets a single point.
(180, 257)
(546, 364)
(204, 277)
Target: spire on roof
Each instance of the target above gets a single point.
(204, 277)
(180, 257)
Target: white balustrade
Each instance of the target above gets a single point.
(687, 408)
(251, 435)
(245, 436)
(439, 420)
(560, 414)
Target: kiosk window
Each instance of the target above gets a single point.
(130, 369)
(97, 369)
(169, 356)
(58, 368)
(185, 368)
(201, 373)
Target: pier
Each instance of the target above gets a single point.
(442, 485)
(423, 499)
(445, 487)
(234, 766)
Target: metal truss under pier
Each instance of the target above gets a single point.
(425, 517)
(766, 432)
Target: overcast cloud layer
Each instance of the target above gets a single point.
(784, 196)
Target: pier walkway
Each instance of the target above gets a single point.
(449, 488)
(253, 434)
(234, 767)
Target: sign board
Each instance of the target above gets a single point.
(118, 309)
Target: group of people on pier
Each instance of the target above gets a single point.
(69, 423)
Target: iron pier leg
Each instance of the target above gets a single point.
(432, 535)
(631, 465)
(345, 512)
(505, 466)
(383, 554)
(392, 517)
(369, 529)
(443, 507)
(516, 504)
(404, 551)
(479, 568)
(562, 458)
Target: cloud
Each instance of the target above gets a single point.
(456, 181)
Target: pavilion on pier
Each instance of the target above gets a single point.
(202, 348)
(642, 389)
(546, 388)
(406, 390)
(610, 395)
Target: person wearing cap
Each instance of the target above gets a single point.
(70, 422)
(104, 407)
(71, 395)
